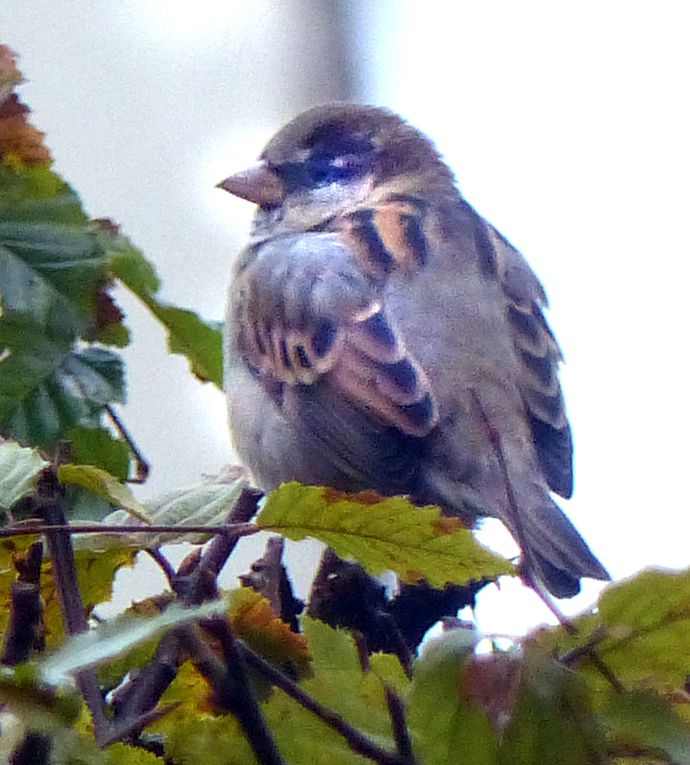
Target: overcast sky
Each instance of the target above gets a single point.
(567, 126)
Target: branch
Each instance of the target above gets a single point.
(231, 687)
(401, 733)
(142, 469)
(235, 530)
(269, 578)
(194, 582)
(163, 563)
(49, 501)
(24, 632)
(354, 738)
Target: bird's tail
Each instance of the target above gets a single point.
(554, 550)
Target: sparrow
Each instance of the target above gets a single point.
(380, 334)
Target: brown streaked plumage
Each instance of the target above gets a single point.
(380, 334)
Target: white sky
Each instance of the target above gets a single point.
(567, 126)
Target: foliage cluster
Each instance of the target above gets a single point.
(198, 674)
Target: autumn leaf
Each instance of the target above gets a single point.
(255, 622)
(382, 534)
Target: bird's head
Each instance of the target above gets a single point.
(333, 158)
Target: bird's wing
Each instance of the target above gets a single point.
(313, 328)
(538, 356)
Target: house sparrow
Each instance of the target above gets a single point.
(381, 335)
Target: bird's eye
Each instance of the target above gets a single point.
(330, 157)
(322, 171)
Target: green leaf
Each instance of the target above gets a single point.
(303, 738)
(53, 712)
(19, 468)
(205, 504)
(640, 629)
(388, 534)
(97, 446)
(338, 683)
(132, 268)
(551, 720)
(103, 485)
(46, 391)
(41, 708)
(95, 575)
(199, 341)
(447, 725)
(51, 262)
(109, 639)
(99, 374)
(191, 727)
(20, 331)
(646, 721)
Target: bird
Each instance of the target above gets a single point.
(381, 335)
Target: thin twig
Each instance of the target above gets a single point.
(49, 501)
(583, 651)
(193, 583)
(137, 724)
(362, 651)
(230, 530)
(163, 563)
(139, 696)
(401, 733)
(550, 603)
(354, 738)
(269, 578)
(229, 679)
(231, 688)
(24, 633)
(142, 469)
(220, 549)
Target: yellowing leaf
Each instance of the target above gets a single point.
(192, 731)
(382, 534)
(254, 621)
(122, 754)
(95, 575)
(103, 485)
(642, 631)
(10, 550)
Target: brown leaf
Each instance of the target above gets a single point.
(368, 497)
(19, 139)
(254, 621)
(490, 682)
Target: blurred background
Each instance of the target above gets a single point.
(566, 125)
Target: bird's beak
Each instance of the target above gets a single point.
(258, 184)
